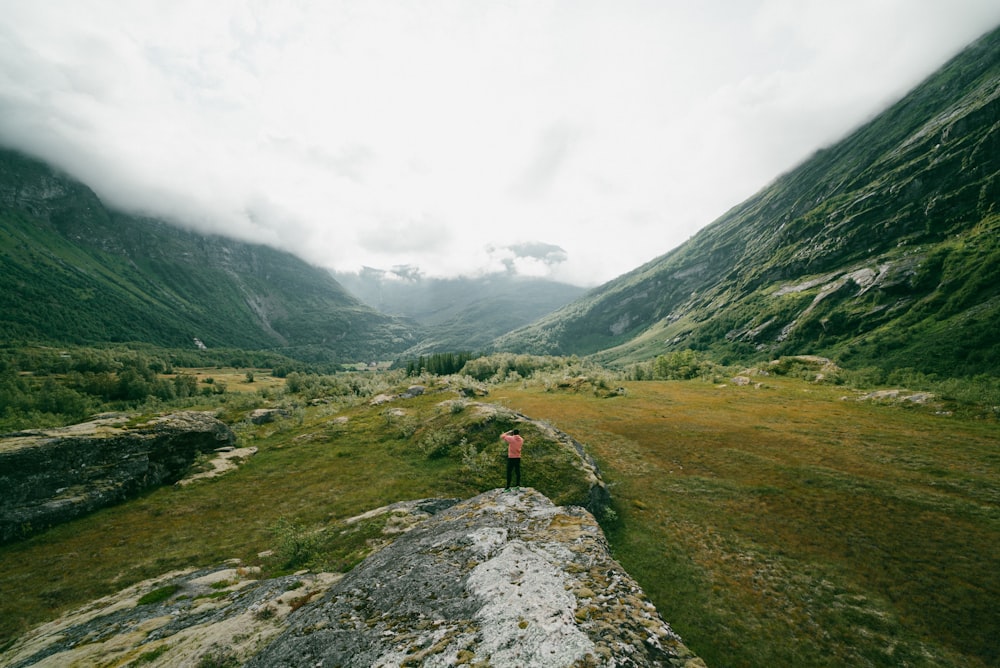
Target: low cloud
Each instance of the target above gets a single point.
(550, 156)
(533, 258)
(400, 237)
(386, 134)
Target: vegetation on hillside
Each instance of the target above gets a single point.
(42, 386)
(73, 272)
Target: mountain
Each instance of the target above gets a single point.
(74, 271)
(458, 313)
(882, 250)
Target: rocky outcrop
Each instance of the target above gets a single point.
(206, 617)
(502, 579)
(224, 460)
(54, 475)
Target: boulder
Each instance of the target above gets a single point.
(51, 476)
(268, 415)
(502, 579)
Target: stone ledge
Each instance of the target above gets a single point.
(51, 476)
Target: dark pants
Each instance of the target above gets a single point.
(514, 465)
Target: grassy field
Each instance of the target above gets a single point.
(772, 526)
(785, 525)
(313, 470)
(236, 380)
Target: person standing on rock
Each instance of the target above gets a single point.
(514, 443)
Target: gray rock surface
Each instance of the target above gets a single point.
(206, 617)
(268, 415)
(502, 579)
(51, 476)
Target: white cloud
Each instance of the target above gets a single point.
(388, 133)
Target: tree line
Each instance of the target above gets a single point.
(438, 364)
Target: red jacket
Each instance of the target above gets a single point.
(514, 443)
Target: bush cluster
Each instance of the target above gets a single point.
(674, 365)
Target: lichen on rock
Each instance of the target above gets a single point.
(214, 616)
(502, 579)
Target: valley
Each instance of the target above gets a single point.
(796, 412)
(779, 522)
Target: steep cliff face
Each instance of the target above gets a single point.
(54, 475)
(501, 579)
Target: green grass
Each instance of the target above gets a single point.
(786, 526)
(779, 526)
(311, 473)
(158, 595)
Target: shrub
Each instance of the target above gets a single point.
(218, 657)
(266, 612)
(296, 546)
(152, 655)
(676, 365)
(404, 425)
(439, 442)
(474, 462)
(158, 595)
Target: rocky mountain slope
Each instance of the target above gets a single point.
(73, 271)
(502, 579)
(882, 250)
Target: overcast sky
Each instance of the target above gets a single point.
(574, 139)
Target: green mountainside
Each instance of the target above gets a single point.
(882, 250)
(459, 313)
(72, 271)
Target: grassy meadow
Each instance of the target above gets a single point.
(780, 525)
(788, 526)
(235, 380)
(313, 470)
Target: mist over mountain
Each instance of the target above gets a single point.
(464, 313)
(882, 250)
(74, 271)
